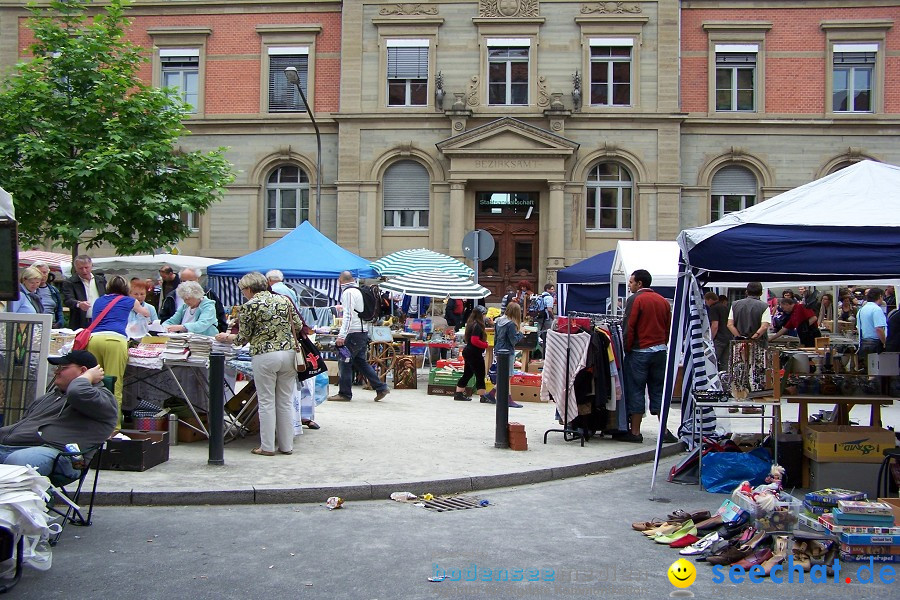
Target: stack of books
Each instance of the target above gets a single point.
(824, 501)
(867, 531)
(176, 348)
(225, 348)
(200, 347)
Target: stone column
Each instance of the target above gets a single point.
(556, 227)
(457, 214)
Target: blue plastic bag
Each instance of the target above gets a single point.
(321, 393)
(724, 471)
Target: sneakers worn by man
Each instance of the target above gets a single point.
(338, 398)
(634, 438)
(669, 438)
(382, 394)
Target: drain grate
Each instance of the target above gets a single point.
(448, 503)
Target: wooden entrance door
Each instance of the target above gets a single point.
(512, 218)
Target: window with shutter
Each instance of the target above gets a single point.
(734, 188)
(181, 72)
(736, 77)
(407, 72)
(406, 195)
(283, 95)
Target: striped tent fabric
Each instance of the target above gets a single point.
(230, 295)
(404, 262)
(435, 284)
(55, 260)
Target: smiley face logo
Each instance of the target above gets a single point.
(682, 573)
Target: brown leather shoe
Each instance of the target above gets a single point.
(729, 555)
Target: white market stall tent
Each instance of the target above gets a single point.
(659, 258)
(805, 235)
(147, 266)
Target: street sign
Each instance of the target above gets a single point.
(478, 245)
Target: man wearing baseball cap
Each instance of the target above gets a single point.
(77, 410)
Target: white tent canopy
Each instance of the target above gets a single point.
(659, 258)
(147, 266)
(6, 205)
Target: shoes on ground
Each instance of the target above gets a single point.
(513, 404)
(668, 438)
(310, 424)
(338, 398)
(461, 397)
(488, 399)
(382, 394)
(634, 438)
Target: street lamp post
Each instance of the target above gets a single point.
(291, 74)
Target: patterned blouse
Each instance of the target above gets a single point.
(264, 322)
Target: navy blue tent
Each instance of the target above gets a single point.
(303, 255)
(802, 235)
(584, 286)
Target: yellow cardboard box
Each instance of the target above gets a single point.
(844, 443)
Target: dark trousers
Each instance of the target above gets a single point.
(474, 365)
(358, 345)
(867, 347)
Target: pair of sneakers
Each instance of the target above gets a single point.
(491, 398)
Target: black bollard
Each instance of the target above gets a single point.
(501, 434)
(216, 425)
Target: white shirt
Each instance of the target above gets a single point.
(352, 303)
(90, 291)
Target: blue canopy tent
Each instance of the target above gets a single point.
(304, 255)
(803, 235)
(584, 286)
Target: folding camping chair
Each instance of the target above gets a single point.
(70, 510)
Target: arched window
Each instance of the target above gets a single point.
(287, 198)
(406, 195)
(610, 192)
(734, 188)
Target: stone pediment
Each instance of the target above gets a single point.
(508, 137)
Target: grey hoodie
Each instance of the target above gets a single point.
(506, 335)
(85, 415)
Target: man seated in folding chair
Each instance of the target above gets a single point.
(78, 409)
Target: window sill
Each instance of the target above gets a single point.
(406, 231)
(610, 233)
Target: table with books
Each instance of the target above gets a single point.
(175, 365)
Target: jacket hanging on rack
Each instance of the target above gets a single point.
(553, 376)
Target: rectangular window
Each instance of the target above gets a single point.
(854, 74)
(283, 95)
(610, 72)
(508, 72)
(608, 208)
(181, 72)
(407, 72)
(723, 204)
(191, 219)
(736, 77)
(286, 208)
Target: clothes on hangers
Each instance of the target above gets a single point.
(553, 377)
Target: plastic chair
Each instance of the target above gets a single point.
(71, 511)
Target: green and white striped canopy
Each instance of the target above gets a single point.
(404, 262)
(435, 284)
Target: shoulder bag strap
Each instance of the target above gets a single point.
(103, 313)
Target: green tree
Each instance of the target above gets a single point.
(88, 150)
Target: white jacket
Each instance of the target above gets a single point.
(352, 303)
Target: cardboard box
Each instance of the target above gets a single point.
(525, 393)
(529, 379)
(843, 443)
(535, 366)
(855, 476)
(144, 450)
(895, 505)
(886, 363)
(186, 435)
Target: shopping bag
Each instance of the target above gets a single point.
(315, 364)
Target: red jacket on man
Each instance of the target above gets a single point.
(647, 323)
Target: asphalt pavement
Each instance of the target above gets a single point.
(570, 538)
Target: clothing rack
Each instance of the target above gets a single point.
(570, 434)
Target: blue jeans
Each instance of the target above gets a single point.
(40, 458)
(358, 345)
(644, 370)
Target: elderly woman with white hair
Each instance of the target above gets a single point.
(196, 315)
(29, 301)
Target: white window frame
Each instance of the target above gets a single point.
(392, 216)
(851, 69)
(191, 99)
(593, 189)
(508, 43)
(742, 49)
(746, 199)
(610, 62)
(278, 187)
(409, 81)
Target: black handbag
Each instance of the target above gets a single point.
(315, 364)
